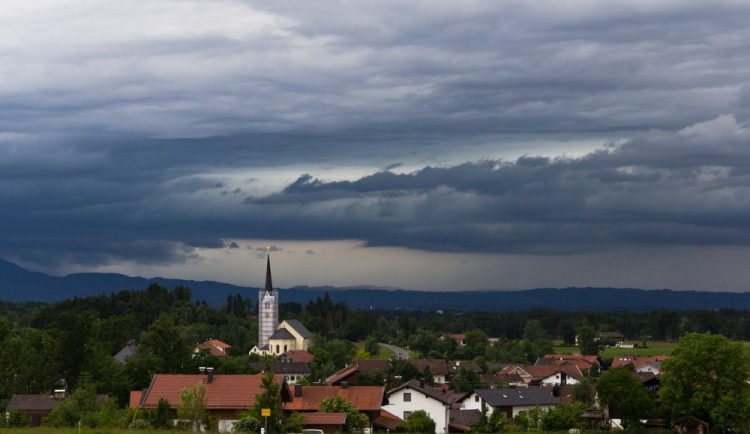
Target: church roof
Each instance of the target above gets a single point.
(269, 285)
(299, 328)
(281, 334)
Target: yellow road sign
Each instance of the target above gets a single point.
(265, 411)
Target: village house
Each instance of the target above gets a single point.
(226, 395)
(215, 347)
(291, 371)
(414, 395)
(367, 399)
(510, 402)
(547, 375)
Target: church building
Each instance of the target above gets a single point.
(274, 338)
(268, 309)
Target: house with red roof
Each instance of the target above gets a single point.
(296, 356)
(367, 399)
(547, 375)
(226, 395)
(215, 347)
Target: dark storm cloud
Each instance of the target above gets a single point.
(689, 188)
(144, 130)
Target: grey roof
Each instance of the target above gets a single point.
(128, 350)
(425, 390)
(299, 328)
(33, 402)
(282, 367)
(269, 285)
(281, 334)
(516, 397)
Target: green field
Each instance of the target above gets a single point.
(653, 348)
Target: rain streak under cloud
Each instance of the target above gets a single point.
(425, 145)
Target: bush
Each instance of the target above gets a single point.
(140, 424)
(248, 424)
(17, 419)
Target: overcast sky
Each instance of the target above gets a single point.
(421, 145)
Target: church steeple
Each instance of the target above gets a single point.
(269, 285)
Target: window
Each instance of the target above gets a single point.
(407, 397)
(277, 349)
(407, 414)
(476, 398)
(285, 348)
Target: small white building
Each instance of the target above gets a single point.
(414, 395)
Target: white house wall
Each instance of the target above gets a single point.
(436, 409)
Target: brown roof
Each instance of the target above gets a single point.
(387, 420)
(495, 379)
(343, 374)
(365, 398)
(371, 365)
(538, 372)
(324, 418)
(636, 361)
(418, 386)
(437, 366)
(300, 356)
(33, 402)
(282, 367)
(223, 392)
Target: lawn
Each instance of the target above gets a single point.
(384, 352)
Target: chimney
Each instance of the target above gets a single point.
(59, 393)
(397, 381)
(297, 390)
(210, 372)
(201, 369)
(344, 384)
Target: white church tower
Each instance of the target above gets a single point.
(268, 309)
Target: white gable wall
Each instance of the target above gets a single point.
(419, 401)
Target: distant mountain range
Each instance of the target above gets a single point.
(19, 284)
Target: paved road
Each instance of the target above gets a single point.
(400, 352)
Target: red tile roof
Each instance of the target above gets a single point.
(324, 418)
(365, 398)
(215, 346)
(300, 356)
(636, 361)
(224, 392)
(387, 420)
(135, 398)
(341, 375)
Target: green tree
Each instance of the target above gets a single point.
(582, 392)
(619, 389)
(77, 407)
(371, 345)
(269, 398)
(563, 417)
(467, 380)
(355, 421)
(419, 422)
(162, 416)
(192, 406)
(587, 341)
(707, 377)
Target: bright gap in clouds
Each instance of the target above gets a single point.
(350, 263)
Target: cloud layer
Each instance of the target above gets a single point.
(146, 130)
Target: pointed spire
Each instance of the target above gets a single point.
(269, 285)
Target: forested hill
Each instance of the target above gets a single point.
(18, 284)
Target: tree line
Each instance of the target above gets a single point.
(71, 343)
